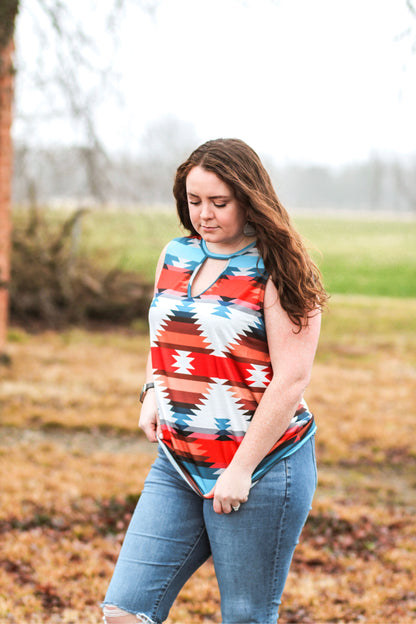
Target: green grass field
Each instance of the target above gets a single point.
(364, 256)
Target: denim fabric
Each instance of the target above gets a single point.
(173, 531)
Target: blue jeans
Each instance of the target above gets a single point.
(173, 531)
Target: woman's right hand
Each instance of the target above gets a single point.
(149, 417)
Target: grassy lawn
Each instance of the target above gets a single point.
(131, 242)
(368, 256)
(356, 256)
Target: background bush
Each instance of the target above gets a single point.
(53, 283)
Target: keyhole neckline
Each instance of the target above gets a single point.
(211, 254)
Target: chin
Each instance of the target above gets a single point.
(212, 236)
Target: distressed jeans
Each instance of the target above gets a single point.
(173, 531)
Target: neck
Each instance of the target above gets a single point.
(216, 250)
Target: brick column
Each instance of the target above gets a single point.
(6, 101)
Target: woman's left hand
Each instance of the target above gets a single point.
(231, 489)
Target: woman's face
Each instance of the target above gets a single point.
(214, 211)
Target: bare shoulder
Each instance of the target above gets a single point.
(160, 262)
(277, 319)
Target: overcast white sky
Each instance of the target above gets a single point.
(323, 81)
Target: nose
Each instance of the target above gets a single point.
(206, 211)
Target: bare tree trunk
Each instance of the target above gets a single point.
(6, 99)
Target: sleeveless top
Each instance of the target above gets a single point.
(211, 363)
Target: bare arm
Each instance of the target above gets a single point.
(149, 418)
(292, 357)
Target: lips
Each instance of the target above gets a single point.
(208, 228)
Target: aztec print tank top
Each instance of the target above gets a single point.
(211, 363)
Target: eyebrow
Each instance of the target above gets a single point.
(211, 197)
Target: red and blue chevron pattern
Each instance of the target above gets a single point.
(211, 363)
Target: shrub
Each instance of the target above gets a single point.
(51, 284)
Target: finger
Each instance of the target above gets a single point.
(224, 506)
(151, 435)
(217, 506)
(150, 432)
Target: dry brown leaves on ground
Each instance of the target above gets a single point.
(73, 464)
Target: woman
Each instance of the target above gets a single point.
(234, 327)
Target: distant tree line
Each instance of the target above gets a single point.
(58, 176)
(376, 184)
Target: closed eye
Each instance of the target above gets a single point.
(194, 200)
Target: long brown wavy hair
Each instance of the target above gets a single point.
(295, 275)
